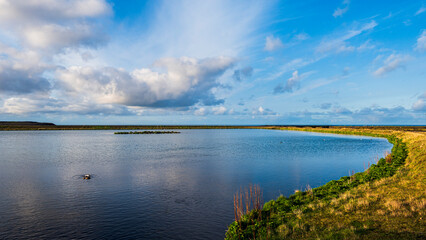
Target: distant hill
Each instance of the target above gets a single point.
(24, 123)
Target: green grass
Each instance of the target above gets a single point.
(387, 201)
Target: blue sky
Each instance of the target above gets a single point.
(213, 62)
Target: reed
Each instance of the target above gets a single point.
(246, 200)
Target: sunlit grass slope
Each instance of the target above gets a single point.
(387, 201)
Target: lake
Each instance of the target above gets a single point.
(177, 186)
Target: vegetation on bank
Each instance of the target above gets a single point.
(36, 126)
(148, 132)
(387, 201)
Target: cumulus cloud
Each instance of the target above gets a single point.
(393, 62)
(292, 83)
(421, 42)
(51, 24)
(38, 30)
(49, 56)
(22, 81)
(273, 43)
(21, 72)
(49, 105)
(263, 111)
(337, 42)
(220, 110)
(175, 83)
(242, 73)
(341, 10)
(181, 82)
(216, 110)
(200, 111)
(23, 105)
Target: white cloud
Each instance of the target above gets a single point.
(188, 28)
(420, 11)
(340, 11)
(37, 31)
(53, 24)
(21, 72)
(292, 83)
(301, 36)
(19, 105)
(365, 46)
(273, 43)
(34, 104)
(421, 42)
(53, 57)
(200, 111)
(180, 83)
(393, 62)
(290, 66)
(263, 111)
(338, 43)
(214, 110)
(56, 36)
(420, 104)
(220, 110)
(171, 83)
(38, 10)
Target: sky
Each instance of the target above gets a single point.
(345, 62)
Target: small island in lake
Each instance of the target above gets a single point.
(147, 132)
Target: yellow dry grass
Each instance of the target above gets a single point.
(389, 207)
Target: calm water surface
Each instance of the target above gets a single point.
(176, 186)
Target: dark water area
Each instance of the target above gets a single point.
(177, 186)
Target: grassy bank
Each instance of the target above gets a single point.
(387, 201)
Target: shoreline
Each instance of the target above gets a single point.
(396, 209)
(387, 208)
(35, 126)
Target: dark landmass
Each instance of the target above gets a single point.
(24, 123)
(148, 132)
(28, 125)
